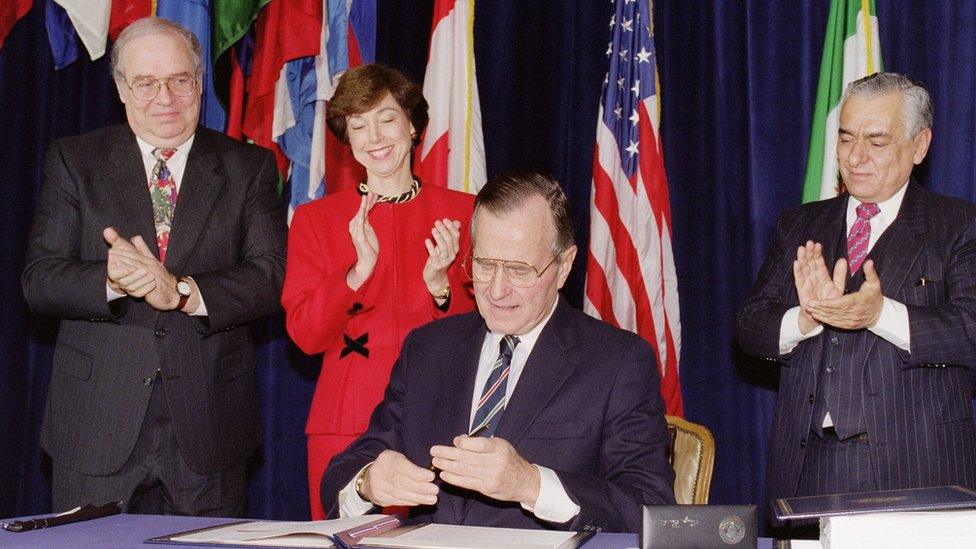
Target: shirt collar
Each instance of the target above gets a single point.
(181, 150)
(528, 339)
(888, 210)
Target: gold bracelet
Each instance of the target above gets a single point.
(444, 294)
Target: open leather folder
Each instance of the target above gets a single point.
(375, 531)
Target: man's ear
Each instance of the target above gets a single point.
(566, 265)
(121, 88)
(921, 143)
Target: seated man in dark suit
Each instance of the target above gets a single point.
(566, 410)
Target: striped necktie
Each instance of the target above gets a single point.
(492, 401)
(860, 235)
(162, 191)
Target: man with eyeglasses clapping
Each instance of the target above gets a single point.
(526, 414)
(155, 243)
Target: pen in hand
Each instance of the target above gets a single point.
(476, 433)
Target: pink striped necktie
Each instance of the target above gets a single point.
(162, 191)
(860, 236)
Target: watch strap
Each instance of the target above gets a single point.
(183, 298)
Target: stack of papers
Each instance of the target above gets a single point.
(952, 528)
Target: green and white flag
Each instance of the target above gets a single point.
(851, 51)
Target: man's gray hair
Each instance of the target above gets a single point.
(507, 192)
(153, 25)
(916, 104)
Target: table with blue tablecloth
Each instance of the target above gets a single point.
(132, 530)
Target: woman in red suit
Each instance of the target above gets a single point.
(368, 264)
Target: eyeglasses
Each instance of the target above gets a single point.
(147, 88)
(518, 273)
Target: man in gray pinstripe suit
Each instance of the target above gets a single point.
(867, 301)
(154, 398)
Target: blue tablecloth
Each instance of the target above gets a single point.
(131, 531)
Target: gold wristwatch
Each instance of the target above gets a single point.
(360, 480)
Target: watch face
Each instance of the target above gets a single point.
(183, 288)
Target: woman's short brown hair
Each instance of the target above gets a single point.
(360, 89)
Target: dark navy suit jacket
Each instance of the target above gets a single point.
(917, 406)
(587, 405)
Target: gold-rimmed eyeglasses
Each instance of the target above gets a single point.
(147, 88)
(518, 273)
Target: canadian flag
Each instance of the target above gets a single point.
(452, 151)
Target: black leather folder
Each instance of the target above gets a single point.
(909, 499)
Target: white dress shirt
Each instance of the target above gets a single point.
(176, 165)
(892, 325)
(553, 503)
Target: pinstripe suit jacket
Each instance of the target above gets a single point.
(228, 233)
(917, 406)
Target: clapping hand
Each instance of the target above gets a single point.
(854, 311)
(134, 270)
(814, 282)
(442, 250)
(364, 241)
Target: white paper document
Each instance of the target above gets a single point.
(418, 536)
(950, 528)
(277, 534)
(445, 536)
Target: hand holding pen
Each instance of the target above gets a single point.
(476, 433)
(490, 466)
(392, 480)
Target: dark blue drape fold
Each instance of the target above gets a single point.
(738, 81)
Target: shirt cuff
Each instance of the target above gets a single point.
(893, 325)
(111, 295)
(202, 309)
(789, 331)
(553, 503)
(350, 504)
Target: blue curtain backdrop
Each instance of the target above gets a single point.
(738, 80)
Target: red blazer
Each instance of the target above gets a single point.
(323, 315)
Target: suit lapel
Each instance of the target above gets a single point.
(457, 384)
(831, 231)
(129, 188)
(899, 247)
(202, 182)
(457, 388)
(545, 371)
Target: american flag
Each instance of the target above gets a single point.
(631, 279)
